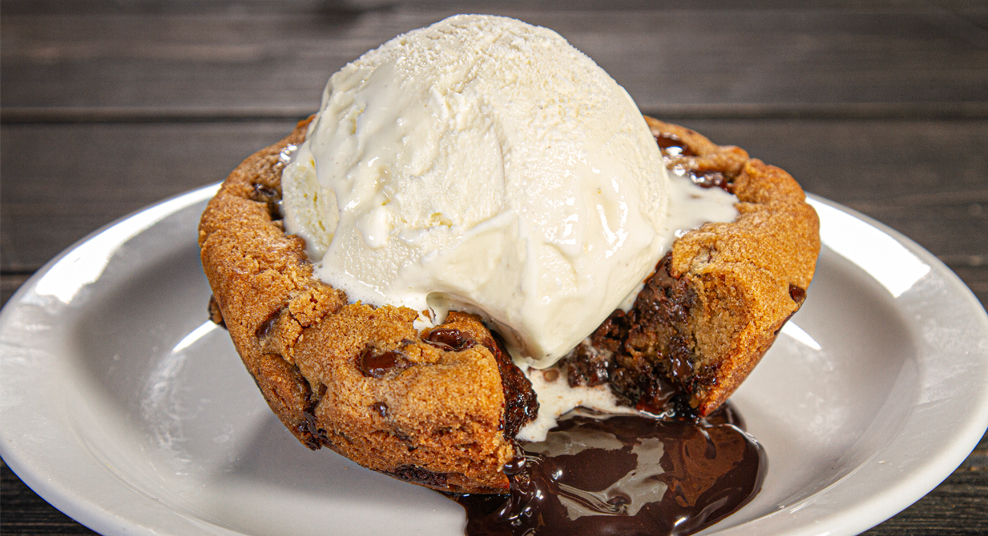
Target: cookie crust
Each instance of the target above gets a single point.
(749, 276)
(426, 407)
(718, 300)
(440, 407)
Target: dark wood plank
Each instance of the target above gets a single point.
(24, 512)
(926, 179)
(957, 506)
(9, 283)
(63, 182)
(974, 273)
(767, 60)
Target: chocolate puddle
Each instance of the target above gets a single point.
(624, 474)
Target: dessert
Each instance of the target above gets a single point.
(395, 272)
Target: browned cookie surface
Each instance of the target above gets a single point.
(428, 407)
(439, 407)
(716, 303)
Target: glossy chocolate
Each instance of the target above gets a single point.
(375, 363)
(624, 474)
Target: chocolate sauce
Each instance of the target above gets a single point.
(624, 474)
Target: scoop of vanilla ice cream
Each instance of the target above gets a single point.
(485, 165)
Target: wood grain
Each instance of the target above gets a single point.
(27, 513)
(768, 58)
(73, 179)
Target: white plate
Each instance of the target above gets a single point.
(124, 407)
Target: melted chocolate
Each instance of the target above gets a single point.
(375, 363)
(519, 398)
(710, 179)
(420, 475)
(646, 354)
(798, 294)
(521, 405)
(624, 474)
(449, 339)
(270, 197)
(672, 145)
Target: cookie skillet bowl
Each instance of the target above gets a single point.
(441, 407)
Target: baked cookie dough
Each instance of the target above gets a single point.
(440, 407)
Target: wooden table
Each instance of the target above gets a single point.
(110, 106)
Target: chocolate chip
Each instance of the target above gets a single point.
(585, 366)
(264, 194)
(798, 294)
(268, 196)
(381, 408)
(673, 145)
(215, 314)
(375, 363)
(710, 179)
(419, 475)
(265, 328)
(449, 339)
(314, 436)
